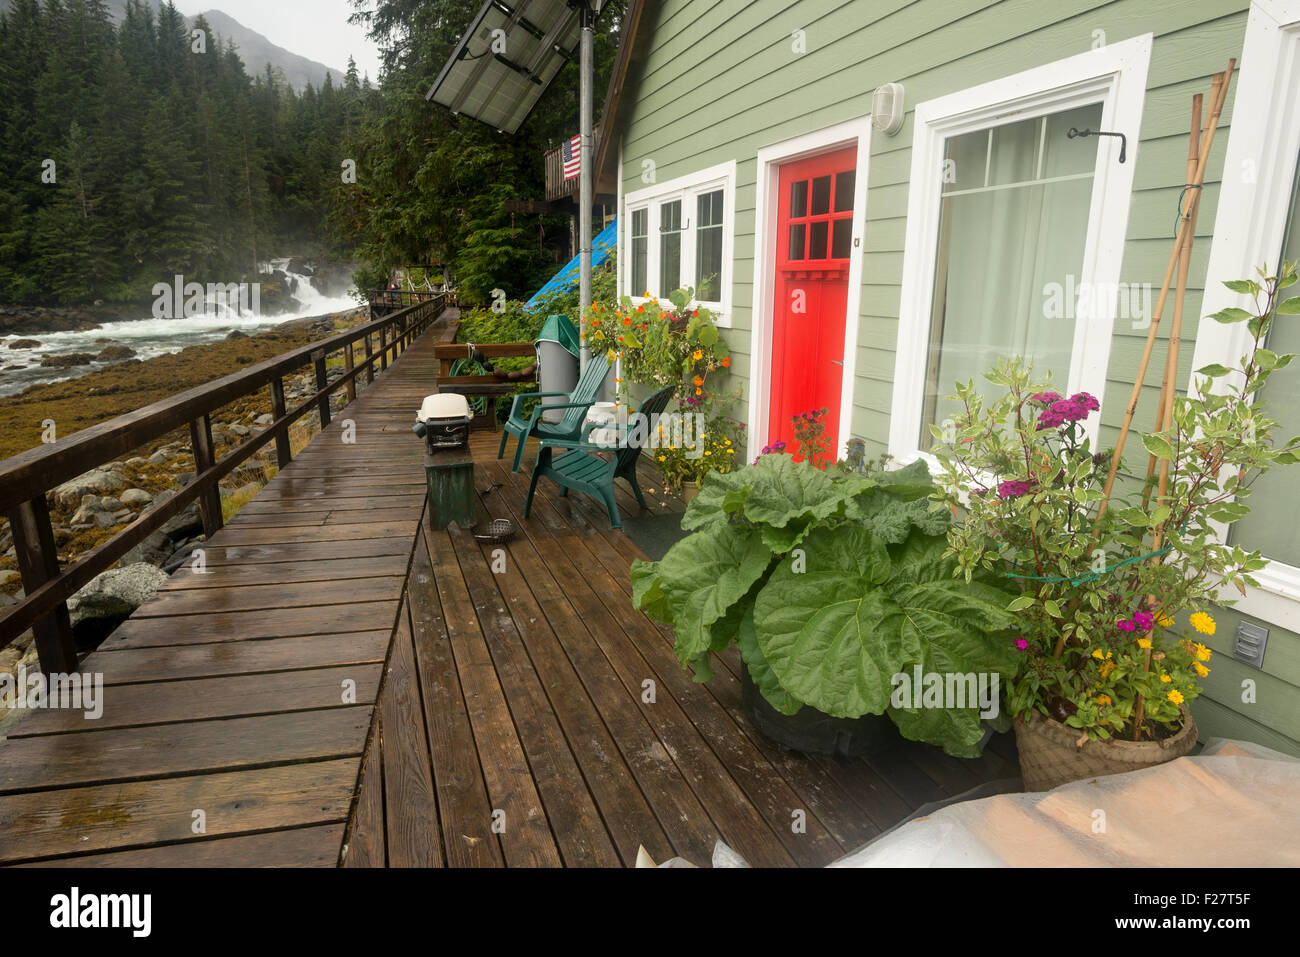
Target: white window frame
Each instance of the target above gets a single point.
(1114, 75)
(1249, 229)
(852, 133)
(685, 188)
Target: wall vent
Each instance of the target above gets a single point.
(1250, 643)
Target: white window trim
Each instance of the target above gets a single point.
(1117, 76)
(1249, 228)
(855, 133)
(686, 188)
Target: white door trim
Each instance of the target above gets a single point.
(856, 133)
(1249, 226)
(1115, 75)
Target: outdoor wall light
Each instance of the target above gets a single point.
(887, 108)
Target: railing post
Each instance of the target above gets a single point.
(283, 450)
(38, 561)
(204, 459)
(322, 380)
(370, 366)
(348, 365)
(383, 348)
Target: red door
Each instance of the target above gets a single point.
(814, 239)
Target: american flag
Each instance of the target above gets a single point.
(571, 153)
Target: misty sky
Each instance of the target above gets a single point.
(316, 29)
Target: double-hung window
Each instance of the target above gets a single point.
(1015, 232)
(678, 234)
(1257, 225)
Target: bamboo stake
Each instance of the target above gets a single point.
(1169, 388)
(1198, 179)
(1164, 408)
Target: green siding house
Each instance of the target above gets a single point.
(865, 266)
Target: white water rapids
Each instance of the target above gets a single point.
(151, 337)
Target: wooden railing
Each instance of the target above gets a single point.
(25, 478)
(557, 187)
(386, 301)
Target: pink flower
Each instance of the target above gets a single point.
(1125, 625)
(1087, 402)
(1014, 489)
(1022, 644)
(1144, 620)
(1050, 418)
(1046, 398)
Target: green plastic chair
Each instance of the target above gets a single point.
(591, 473)
(570, 425)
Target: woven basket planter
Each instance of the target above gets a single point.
(1050, 754)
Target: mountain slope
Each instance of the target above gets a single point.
(254, 49)
(257, 51)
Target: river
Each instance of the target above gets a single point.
(151, 337)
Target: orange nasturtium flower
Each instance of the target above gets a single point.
(640, 308)
(698, 355)
(698, 381)
(726, 362)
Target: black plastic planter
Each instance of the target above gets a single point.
(813, 732)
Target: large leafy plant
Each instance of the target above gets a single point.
(831, 583)
(1102, 579)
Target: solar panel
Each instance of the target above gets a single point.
(506, 60)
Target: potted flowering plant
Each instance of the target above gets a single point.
(1102, 574)
(677, 345)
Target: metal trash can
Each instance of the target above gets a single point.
(557, 362)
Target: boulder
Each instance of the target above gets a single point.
(24, 344)
(97, 511)
(116, 593)
(264, 420)
(115, 354)
(96, 481)
(68, 360)
(154, 550)
(135, 497)
(184, 524)
(158, 458)
(236, 334)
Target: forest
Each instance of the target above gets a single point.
(143, 149)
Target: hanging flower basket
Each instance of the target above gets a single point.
(1052, 754)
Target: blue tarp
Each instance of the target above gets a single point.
(606, 242)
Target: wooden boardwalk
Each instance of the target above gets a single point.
(345, 685)
(520, 697)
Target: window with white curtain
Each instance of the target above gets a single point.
(1271, 525)
(1013, 221)
(1016, 232)
(679, 234)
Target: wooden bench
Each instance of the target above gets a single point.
(480, 386)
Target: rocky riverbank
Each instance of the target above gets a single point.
(92, 507)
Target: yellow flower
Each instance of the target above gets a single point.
(1103, 700)
(1200, 669)
(1175, 696)
(1106, 668)
(1144, 642)
(662, 458)
(1202, 653)
(1164, 621)
(1098, 655)
(1202, 623)
(1166, 679)
(698, 355)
